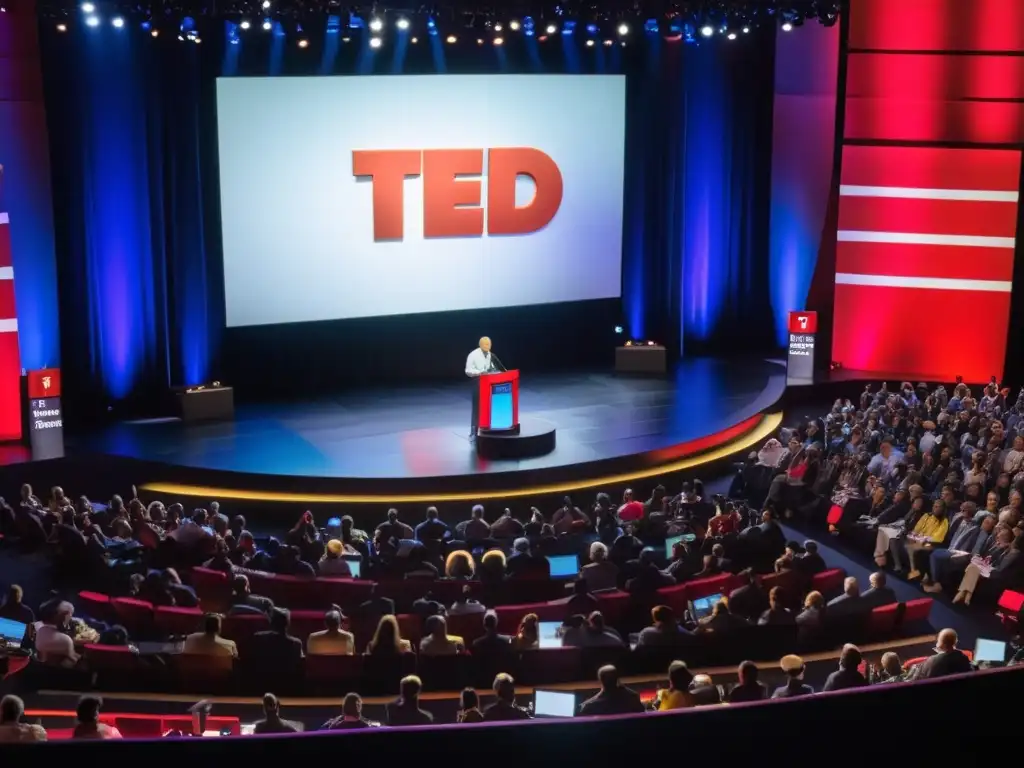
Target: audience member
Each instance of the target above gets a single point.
(504, 708)
(333, 640)
(87, 721)
(664, 632)
(613, 698)
(794, 668)
(12, 730)
(208, 641)
(749, 687)
(848, 675)
(469, 707)
(406, 709)
(272, 722)
(947, 659)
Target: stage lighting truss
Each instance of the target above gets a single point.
(591, 24)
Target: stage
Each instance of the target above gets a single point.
(413, 443)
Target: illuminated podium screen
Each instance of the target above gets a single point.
(499, 400)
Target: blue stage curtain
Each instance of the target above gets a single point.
(140, 309)
(698, 187)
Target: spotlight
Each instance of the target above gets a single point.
(551, 29)
(118, 22)
(303, 43)
(197, 40)
(707, 30)
(498, 27)
(92, 21)
(590, 43)
(623, 29)
(245, 24)
(651, 26)
(266, 4)
(414, 40)
(88, 8)
(402, 24)
(146, 25)
(746, 30)
(591, 29)
(155, 33)
(431, 26)
(451, 39)
(479, 41)
(731, 35)
(513, 25)
(498, 41)
(267, 26)
(62, 27)
(787, 26)
(376, 25)
(375, 42)
(607, 42)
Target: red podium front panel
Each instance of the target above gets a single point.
(499, 400)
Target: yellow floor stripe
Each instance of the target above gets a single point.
(769, 424)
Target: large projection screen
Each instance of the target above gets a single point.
(342, 198)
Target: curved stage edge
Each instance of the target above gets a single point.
(747, 434)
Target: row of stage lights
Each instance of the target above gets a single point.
(376, 25)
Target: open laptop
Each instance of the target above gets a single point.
(990, 651)
(548, 632)
(703, 606)
(564, 566)
(11, 633)
(554, 703)
(355, 567)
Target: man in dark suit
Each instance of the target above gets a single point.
(491, 643)
(794, 668)
(406, 710)
(613, 698)
(275, 644)
(879, 594)
(376, 606)
(504, 708)
(748, 600)
(524, 563)
(432, 529)
(948, 659)
(847, 604)
(810, 562)
(848, 675)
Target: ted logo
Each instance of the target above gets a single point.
(452, 205)
(803, 322)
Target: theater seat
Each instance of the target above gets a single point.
(305, 623)
(882, 620)
(95, 604)
(829, 583)
(713, 585)
(1009, 607)
(445, 673)
(613, 606)
(135, 615)
(111, 658)
(212, 587)
(348, 593)
(917, 610)
(138, 727)
(324, 672)
(213, 723)
(789, 581)
(551, 665)
(241, 627)
(468, 626)
(410, 627)
(509, 616)
(675, 598)
(201, 672)
(174, 621)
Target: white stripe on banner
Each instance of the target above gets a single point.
(9, 326)
(6, 273)
(939, 283)
(921, 193)
(915, 238)
(4, 219)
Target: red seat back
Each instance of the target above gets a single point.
(468, 626)
(546, 666)
(305, 623)
(111, 658)
(139, 727)
(135, 615)
(410, 627)
(211, 586)
(1010, 602)
(348, 593)
(713, 585)
(95, 604)
(509, 616)
(917, 610)
(613, 606)
(882, 621)
(244, 625)
(828, 582)
(178, 621)
(675, 598)
(333, 669)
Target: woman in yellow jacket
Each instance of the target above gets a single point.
(929, 532)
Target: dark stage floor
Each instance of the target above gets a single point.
(422, 432)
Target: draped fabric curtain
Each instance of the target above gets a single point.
(140, 309)
(134, 147)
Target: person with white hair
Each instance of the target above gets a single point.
(600, 572)
(53, 642)
(848, 603)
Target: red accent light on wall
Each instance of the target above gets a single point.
(10, 359)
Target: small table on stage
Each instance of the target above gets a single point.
(500, 434)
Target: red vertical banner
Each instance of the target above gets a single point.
(10, 361)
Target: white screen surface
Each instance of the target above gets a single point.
(298, 226)
(554, 704)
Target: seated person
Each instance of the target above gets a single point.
(664, 631)
(849, 603)
(777, 613)
(848, 675)
(208, 641)
(333, 562)
(600, 572)
(613, 698)
(387, 639)
(722, 619)
(242, 599)
(504, 707)
(749, 687)
(748, 600)
(406, 709)
(879, 594)
(275, 643)
(677, 695)
(794, 668)
(705, 691)
(437, 641)
(331, 641)
(947, 660)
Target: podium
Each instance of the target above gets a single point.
(499, 402)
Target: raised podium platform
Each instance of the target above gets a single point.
(534, 437)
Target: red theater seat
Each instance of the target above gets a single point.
(95, 605)
(135, 615)
(1008, 608)
(882, 621)
(613, 606)
(468, 626)
(201, 672)
(138, 727)
(213, 587)
(829, 583)
(917, 610)
(348, 593)
(305, 623)
(410, 627)
(184, 723)
(333, 670)
(241, 627)
(551, 665)
(447, 591)
(112, 658)
(789, 581)
(445, 673)
(178, 621)
(714, 585)
(297, 592)
(509, 616)
(675, 598)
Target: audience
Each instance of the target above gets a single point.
(794, 668)
(332, 641)
(87, 721)
(677, 695)
(848, 675)
(749, 687)
(272, 722)
(406, 709)
(613, 698)
(208, 641)
(504, 708)
(12, 730)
